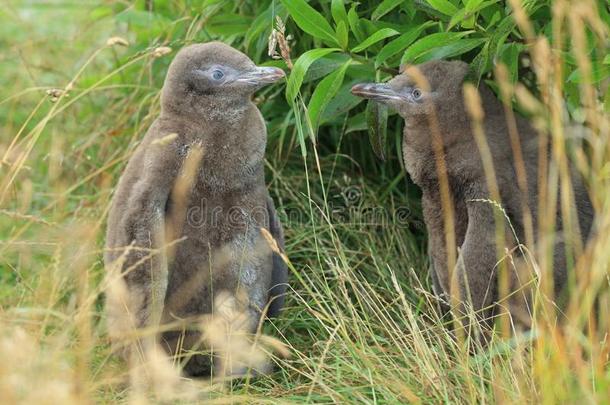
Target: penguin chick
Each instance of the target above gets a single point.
(439, 109)
(185, 221)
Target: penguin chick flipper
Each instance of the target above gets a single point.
(136, 228)
(477, 261)
(279, 275)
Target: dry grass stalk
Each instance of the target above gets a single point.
(507, 92)
(180, 194)
(273, 245)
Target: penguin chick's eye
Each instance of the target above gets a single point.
(416, 94)
(217, 74)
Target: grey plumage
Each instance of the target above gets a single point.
(194, 193)
(442, 109)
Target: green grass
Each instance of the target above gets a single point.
(360, 320)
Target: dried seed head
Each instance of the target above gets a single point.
(527, 100)
(416, 74)
(473, 102)
(55, 94)
(32, 372)
(117, 41)
(161, 51)
(281, 27)
(280, 348)
(227, 330)
(278, 38)
(154, 376)
(165, 140)
(285, 51)
(271, 51)
(270, 240)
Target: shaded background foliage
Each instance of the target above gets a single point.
(372, 38)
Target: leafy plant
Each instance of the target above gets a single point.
(339, 42)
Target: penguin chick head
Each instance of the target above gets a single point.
(213, 74)
(421, 90)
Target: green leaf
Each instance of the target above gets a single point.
(300, 68)
(477, 5)
(425, 44)
(377, 121)
(444, 6)
(324, 92)
(376, 37)
(471, 5)
(100, 12)
(342, 103)
(228, 24)
(510, 57)
(324, 66)
(337, 9)
(465, 16)
(385, 7)
(599, 72)
(342, 35)
(300, 131)
(400, 43)
(309, 20)
(480, 63)
(258, 26)
(458, 18)
(354, 23)
(356, 123)
(456, 48)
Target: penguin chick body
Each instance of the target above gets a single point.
(185, 221)
(441, 108)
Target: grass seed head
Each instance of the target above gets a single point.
(117, 41)
(166, 140)
(278, 38)
(161, 51)
(56, 94)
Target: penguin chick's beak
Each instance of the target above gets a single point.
(376, 91)
(261, 75)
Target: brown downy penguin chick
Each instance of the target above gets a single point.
(440, 107)
(185, 221)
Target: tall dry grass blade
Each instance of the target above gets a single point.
(507, 91)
